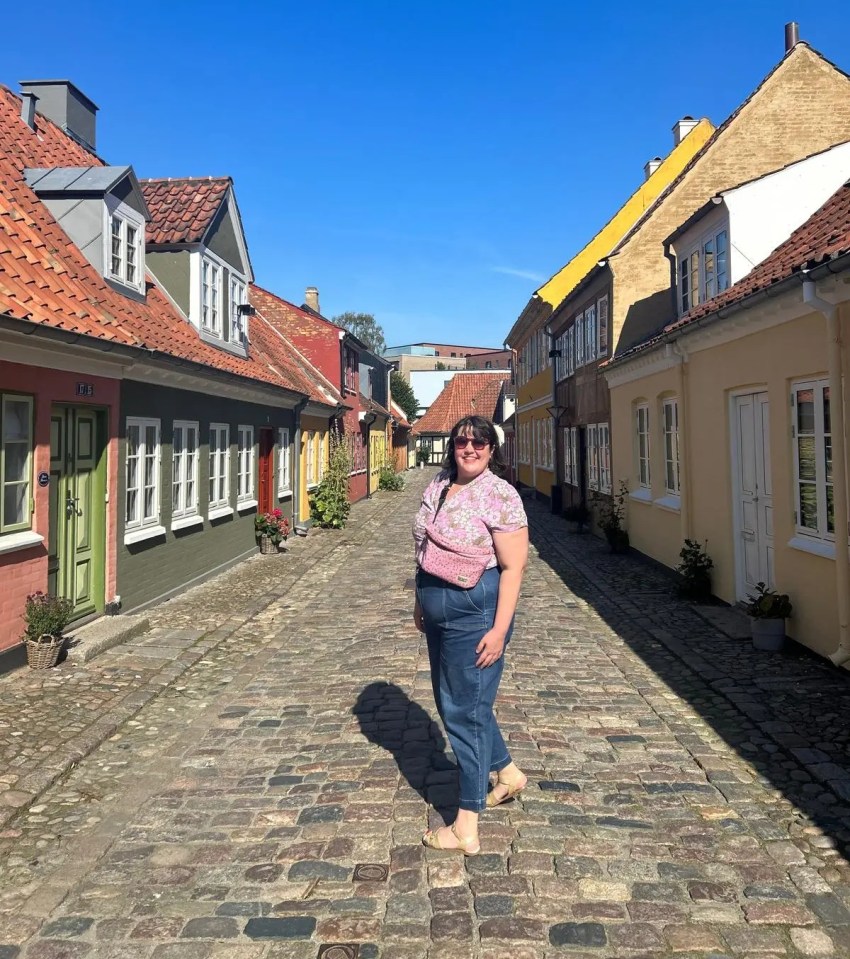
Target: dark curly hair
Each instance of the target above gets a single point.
(481, 429)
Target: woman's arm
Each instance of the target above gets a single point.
(512, 554)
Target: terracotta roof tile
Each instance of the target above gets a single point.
(466, 394)
(182, 210)
(824, 236)
(46, 280)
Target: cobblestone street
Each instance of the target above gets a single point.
(220, 785)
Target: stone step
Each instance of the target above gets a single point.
(90, 640)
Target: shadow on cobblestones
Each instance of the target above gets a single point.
(400, 725)
(784, 714)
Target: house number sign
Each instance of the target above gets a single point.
(85, 389)
(44, 479)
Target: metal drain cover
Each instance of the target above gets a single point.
(338, 950)
(370, 872)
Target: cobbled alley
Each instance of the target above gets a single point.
(252, 777)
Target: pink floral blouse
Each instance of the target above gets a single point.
(484, 506)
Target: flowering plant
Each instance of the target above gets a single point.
(46, 615)
(274, 525)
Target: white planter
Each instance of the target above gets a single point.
(768, 634)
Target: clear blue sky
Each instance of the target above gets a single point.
(428, 163)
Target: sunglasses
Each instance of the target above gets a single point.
(462, 441)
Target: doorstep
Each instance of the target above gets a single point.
(86, 642)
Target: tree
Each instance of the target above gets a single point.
(402, 393)
(440, 366)
(366, 328)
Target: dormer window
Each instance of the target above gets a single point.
(125, 255)
(704, 270)
(238, 298)
(210, 297)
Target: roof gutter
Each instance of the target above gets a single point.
(133, 353)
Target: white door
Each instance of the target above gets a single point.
(754, 493)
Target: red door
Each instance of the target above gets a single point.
(266, 470)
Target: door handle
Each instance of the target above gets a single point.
(71, 508)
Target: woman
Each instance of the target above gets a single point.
(470, 509)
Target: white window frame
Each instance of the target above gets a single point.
(603, 436)
(602, 324)
(590, 334)
(5, 443)
(184, 472)
(578, 326)
(321, 455)
(571, 351)
(670, 432)
(238, 322)
(312, 482)
(245, 461)
(571, 464)
(126, 218)
(821, 484)
(140, 522)
(219, 469)
(593, 457)
(643, 462)
(693, 266)
(210, 305)
(284, 462)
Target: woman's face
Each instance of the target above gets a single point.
(471, 462)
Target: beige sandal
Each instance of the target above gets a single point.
(514, 788)
(432, 840)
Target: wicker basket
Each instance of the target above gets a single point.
(267, 546)
(43, 652)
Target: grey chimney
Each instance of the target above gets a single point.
(68, 107)
(792, 35)
(311, 298)
(682, 129)
(651, 166)
(28, 102)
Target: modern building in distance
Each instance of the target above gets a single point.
(442, 356)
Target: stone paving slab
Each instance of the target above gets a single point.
(228, 815)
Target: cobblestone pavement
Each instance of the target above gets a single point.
(688, 797)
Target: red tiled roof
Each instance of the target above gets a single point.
(399, 414)
(182, 210)
(369, 404)
(824, 236)
(466, 394)
(46, 280)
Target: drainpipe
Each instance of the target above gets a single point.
(684, 433)
(839, 467)
(297, 525)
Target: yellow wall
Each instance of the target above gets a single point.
(319, 426)
(770, 360)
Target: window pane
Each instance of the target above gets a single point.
(808, 506)
(16, 420)
(830, 510)
(16, 455)
(130, 270)
(805, 411)
(132, 499)
(149, 501)
(116, 247)
(827, 456)
(722, 268)
(827, 428)
(14, 504)
(806, 458)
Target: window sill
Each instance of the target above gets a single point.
(641, 495)
(315, 485)
(184, 522)
(12, 541)
(673, 504)
(284, 493)
(817, 547)
(139, 535)
(219, 512)
(213, 339)
(246, 505)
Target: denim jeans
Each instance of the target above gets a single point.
(455, 620)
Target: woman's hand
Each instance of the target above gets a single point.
(490, 648)
(417, 617)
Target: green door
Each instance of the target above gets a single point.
(77, 508)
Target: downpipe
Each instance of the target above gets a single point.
(839, 467)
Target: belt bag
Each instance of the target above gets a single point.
(459, 565)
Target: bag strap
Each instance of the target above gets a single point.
(441, 500)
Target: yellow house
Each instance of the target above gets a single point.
(631, 284)
(313, 459)
(730, 427)
(535, 425)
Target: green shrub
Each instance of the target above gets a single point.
(329, 503)
(695, 570)
(390, 480)
(46, 615)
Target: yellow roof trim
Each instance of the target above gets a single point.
(557, 289)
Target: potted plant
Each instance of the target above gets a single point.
(577, 514)
(46, 618)
(612, 511)
(768, 611)
(272, 529)
(695, 570)
(423, 456)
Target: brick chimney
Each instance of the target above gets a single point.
(69, 108)
(311, 298)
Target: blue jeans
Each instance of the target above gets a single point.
(455, 620)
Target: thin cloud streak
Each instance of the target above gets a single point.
(522, 274)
